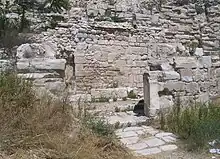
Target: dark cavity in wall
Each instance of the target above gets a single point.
(165, 92)
(155, 67)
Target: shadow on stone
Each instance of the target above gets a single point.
(139, 108)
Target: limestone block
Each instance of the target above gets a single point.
(199, 52)
(175, 85)
(186, 75)
(192, 88)
(109, 93)
(166, 67)
(34, 50)
(204, 86)
(80, 59)
(205, 62)
(155, 19)
(200, 75)
(186, 62)
(155, 87)
(217, 72)
(171, 75)
(41, 64)
(180, 47)
(155, 75)
(38, 75)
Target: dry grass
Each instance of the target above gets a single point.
(46, 129)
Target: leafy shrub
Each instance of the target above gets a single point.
(197, 124)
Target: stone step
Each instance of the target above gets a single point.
(126, 119)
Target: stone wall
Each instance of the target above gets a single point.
(109, 45)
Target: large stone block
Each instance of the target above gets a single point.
(205, 62)
(41, 64)
(186, 62)
(171, 75)
(200, 75)
(175, 85)
(109, 93)
(186, 75)
(45, 50)
(5, 65)
(38, 75)
(192, 88)
(199, 52)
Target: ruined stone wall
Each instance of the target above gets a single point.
(114, 43)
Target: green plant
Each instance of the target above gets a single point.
(132, 95)
(101, 99)
(98, 126)
(196, 124)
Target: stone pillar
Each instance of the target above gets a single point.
(146, 94)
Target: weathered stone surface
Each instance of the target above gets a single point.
(80, 98)
(38, 75)
(175, 85)
(166, 101)
(109, 93)
(41, 64)
(162, 134)
(186, 62)
(171, 75)
(192, 88)
(186, 75)
(205, 62)
(153, 142)
(168, 139)
(148, 151)
(199, 52)
(34, 50)
(137, 146)
(127, 134)
(130, 140)
(168, 147)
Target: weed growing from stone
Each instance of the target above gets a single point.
(98, 126)
(132, 95)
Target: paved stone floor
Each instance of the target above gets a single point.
(145, 140)
(126, 119)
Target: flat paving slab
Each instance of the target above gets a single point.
(145, 140)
